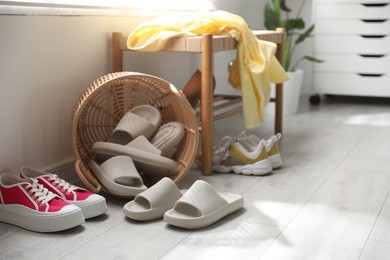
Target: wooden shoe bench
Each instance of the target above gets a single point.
(207, 45)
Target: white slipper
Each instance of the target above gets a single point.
(168, 137)
(154, 202)
(140, 120)
(119, 176)
(146, 157)
(202, 206)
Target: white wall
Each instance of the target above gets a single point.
(47, 61)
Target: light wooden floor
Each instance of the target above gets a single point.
(329, 201)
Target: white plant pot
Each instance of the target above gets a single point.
(291, 94)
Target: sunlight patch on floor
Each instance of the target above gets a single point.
(382, 119)
(246, 239)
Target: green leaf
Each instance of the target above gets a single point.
(277, 8)
(304, 35)
(284, 7)
(309, 58)
(287, 53)
(271, 20)
(313, 59)
(293, 24)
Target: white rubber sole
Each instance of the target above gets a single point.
(110, 184)
(70, 216)
(94, 206)
(276, 160)
(262, 167)
(174, 218)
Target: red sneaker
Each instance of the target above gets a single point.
(27, 204)
(90, 203)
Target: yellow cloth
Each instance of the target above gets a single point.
(253, 69)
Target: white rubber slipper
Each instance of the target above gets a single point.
(202, 206)
(140, 120)
(119, 176)
(154, 202)
(168, 137)
(145, 156)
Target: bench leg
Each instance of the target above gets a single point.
(206, 104)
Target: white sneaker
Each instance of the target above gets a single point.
(271, 144)
(237, 156)
(273, 151)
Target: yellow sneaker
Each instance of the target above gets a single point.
(237, 156)
(271, 145)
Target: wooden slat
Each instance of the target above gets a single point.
(220, 42)
(221, 102)
(227, 113)
(227, 103)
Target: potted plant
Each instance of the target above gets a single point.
(277, 15)
(273, 18)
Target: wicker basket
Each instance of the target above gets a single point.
(108, 98)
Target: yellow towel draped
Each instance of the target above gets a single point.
(253, 69)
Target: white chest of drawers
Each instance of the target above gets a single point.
(353, 39)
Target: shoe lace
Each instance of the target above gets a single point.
(40, 193)
(223, 151)
(62, 184)
(242, 135)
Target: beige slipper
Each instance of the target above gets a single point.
(168, 137)
(140, 120)
(201, 206)
(145, 156)
(118, 175)
(154, 202)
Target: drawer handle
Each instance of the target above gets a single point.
(375, 5)
(370, 75)
(373, 36)
(374, 20)
(372, 55)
